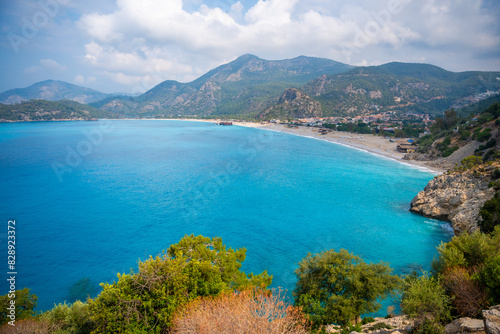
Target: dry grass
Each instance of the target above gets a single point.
(29, 326)
(239, 313)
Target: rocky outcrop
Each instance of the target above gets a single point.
(492, 320)
(293, 103)
(456, 197)
(465, 325)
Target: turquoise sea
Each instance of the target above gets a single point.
(91, 198)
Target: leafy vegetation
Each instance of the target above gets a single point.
(145, 302)
(469, 269)
(70, 319)
(424, 298)
(24, 306)
(337, 287)
(198, 285)
(451, 132)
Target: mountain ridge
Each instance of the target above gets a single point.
(251, 87)
(52, 90)
(246, 85)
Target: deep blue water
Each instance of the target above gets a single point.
(91, 198)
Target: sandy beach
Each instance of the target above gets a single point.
(367, 142)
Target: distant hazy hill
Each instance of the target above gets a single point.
(42, 110)
(52, 90)
(246, 85)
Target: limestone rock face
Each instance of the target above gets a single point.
(492, 320)
(455, 197)
(465, 325)
(295, 104)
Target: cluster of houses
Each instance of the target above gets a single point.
(387, 121)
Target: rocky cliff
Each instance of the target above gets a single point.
(293, 103)
(456, 197)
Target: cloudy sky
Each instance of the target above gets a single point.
(131, 45)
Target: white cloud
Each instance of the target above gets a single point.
(80, 79)
(139, 41)
(47, 65)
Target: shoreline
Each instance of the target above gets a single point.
(369, 143)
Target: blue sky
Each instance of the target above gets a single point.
(130, 46)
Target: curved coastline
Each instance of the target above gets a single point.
(363, 142)
(366, 143)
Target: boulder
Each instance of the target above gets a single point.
(465, 325)
(492, 320)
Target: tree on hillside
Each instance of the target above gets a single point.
(337, 287)
(145, 302)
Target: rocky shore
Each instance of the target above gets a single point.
(456, 197)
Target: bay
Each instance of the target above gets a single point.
(92, 198)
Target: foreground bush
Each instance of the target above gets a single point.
(251, 311)
(145, 302)
(71, 319)
(337, 287)
(30, 326)
(425, 298)
(469, 267)
(24, 306)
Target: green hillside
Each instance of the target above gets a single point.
(42, 110)
(399, 87)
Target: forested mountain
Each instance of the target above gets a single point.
(246, 85)
(254, 88)
(305, 86)
(399, 87)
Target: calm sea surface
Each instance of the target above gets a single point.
(92, 198)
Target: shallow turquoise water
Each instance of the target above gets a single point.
(91, 198)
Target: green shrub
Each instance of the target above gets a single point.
(449, 151)
(492, 142)
(471, 161)
(464, 135)
(484, 135)
(367, 320)
(424, 298)
(25, 303)
(490, 276)
(350, 328)
(444, 144)
(74, 318)
(477, 254)
(145, 302)
(331, 286)
(490, 212)
(380, 325)
(427, 326)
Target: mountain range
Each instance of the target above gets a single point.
(255, 88)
